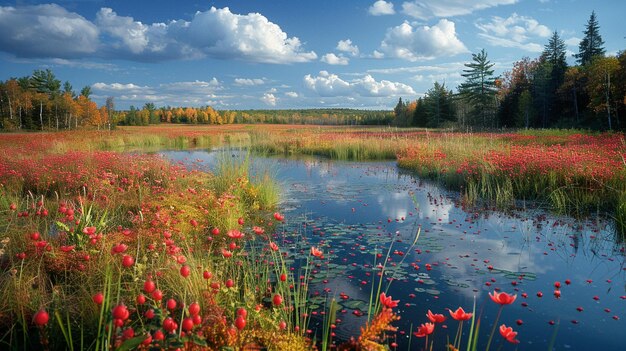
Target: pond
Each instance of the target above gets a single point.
(356, 210)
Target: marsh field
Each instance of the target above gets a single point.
(274, 237)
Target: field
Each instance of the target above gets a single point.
(105, 245)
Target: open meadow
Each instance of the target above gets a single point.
(129, 239)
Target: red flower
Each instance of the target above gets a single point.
(424, 330)
(277, 300)
(316, 252)
(235, 234)
(460, 314)
(273, 246)
(278, 216)
(387, 302)
(508, 334)
(502, 298)
(435, 318)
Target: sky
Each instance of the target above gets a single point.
(283, 54)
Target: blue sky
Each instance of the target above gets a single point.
(282, 53)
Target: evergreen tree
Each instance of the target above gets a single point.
(592, 43)
(479, 87)
(554, 65)
(438, 107)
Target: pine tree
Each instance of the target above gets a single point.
(553, 58)
(592, 43)
(480, 88)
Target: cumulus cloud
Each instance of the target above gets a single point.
(249, 81)
(46, 31)
(184, 93)
(333, 59)
(515, 31)
(381, 7)
(269, 99)
(347, 46)
(425, 9)
(221, 33)
(329, 85)
(52, 31)
(414, 43)
(291, 94)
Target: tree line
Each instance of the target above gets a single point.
(39, 102)
(543, 92)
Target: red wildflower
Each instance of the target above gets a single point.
(316, 252)
(435, 318)
(508, 334)
(424, 330)
(387, 302)
(460, 314)
(502, 298)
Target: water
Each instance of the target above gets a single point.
(354, 210)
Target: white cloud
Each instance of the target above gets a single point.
(425, 9)
(573, 41)
(381, 7)
(377, 54)
(249, 81)
(186, 93)
(515, 31)
(118, 87)
(252, 37)
(330, 85)
(269, 99)
(422, 43)
(291, 94)
(47, 31)
(347, 46)
(52, 31)
(333, 59)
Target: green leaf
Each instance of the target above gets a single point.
(132, 343)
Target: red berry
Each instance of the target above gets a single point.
(240, 221)
(169, 325)
(141, 299)
(194, 309)
(128, 333)
(157, 295)
(283, 277)
(282, 325)
(41, 318)
(128, 261)
(98, 298)
(149, 314)
(240, 322)
(215, 231)
(158, 335)
(171, 304)
(242, 312)
(149, 286)
(277, 300)
(185, 270)
(120, 312)
(187, 324)
(207, 275)
(230, 283)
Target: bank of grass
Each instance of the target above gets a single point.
(80, 224)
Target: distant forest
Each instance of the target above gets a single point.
(542, 92)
